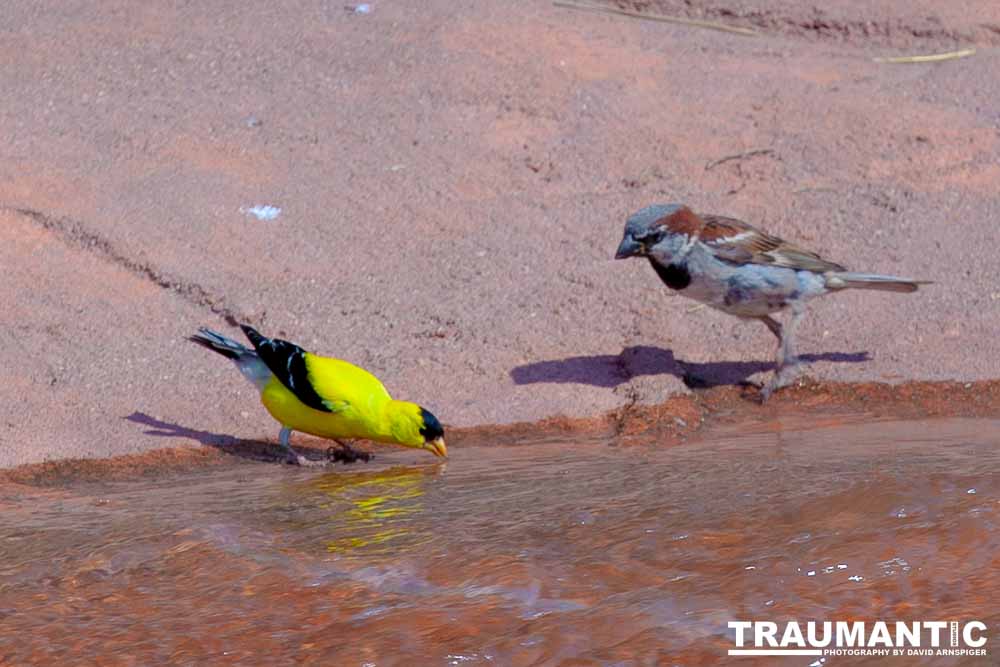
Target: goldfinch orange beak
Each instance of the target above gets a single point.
(436, 447)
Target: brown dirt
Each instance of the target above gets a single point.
(453, 180)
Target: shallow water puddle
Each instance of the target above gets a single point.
(557, 552)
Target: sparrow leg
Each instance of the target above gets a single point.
(772, 324)
(347, 454)
(788, 341)
(775, 327)
(788, 360)
(293, 458)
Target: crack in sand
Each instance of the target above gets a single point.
(76, 234)
(821, 25)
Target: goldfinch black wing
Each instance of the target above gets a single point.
(288, 363)
(322, 383)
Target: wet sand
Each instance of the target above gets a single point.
(561, 551)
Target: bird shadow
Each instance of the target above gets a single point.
(612, 370)
(253, 450)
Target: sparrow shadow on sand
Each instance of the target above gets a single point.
(254, 450)
(611, 370)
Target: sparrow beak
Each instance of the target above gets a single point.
(436, 447)
(629, 248)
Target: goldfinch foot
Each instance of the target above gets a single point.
(347, 454)
(299, 460)
(290, 456)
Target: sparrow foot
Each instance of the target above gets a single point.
(347, 454)
(767, 390)
(783, 376)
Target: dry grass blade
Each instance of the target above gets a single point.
(657, 17)
(931, 58)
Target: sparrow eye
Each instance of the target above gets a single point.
(650, 236)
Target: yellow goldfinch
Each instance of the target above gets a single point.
(326, 397)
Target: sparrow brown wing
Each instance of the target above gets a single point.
(735, 241)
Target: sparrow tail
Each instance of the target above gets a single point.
(847, 280)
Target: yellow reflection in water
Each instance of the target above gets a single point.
(375, 508)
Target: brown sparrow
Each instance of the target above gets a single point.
(738, 269)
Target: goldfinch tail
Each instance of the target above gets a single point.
(250, 364)
(846, 280)
(216, 342)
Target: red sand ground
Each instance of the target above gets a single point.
(453, 178)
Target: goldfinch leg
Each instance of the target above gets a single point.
(347, 454)
(284, 437)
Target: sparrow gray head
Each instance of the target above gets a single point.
(645, 228)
